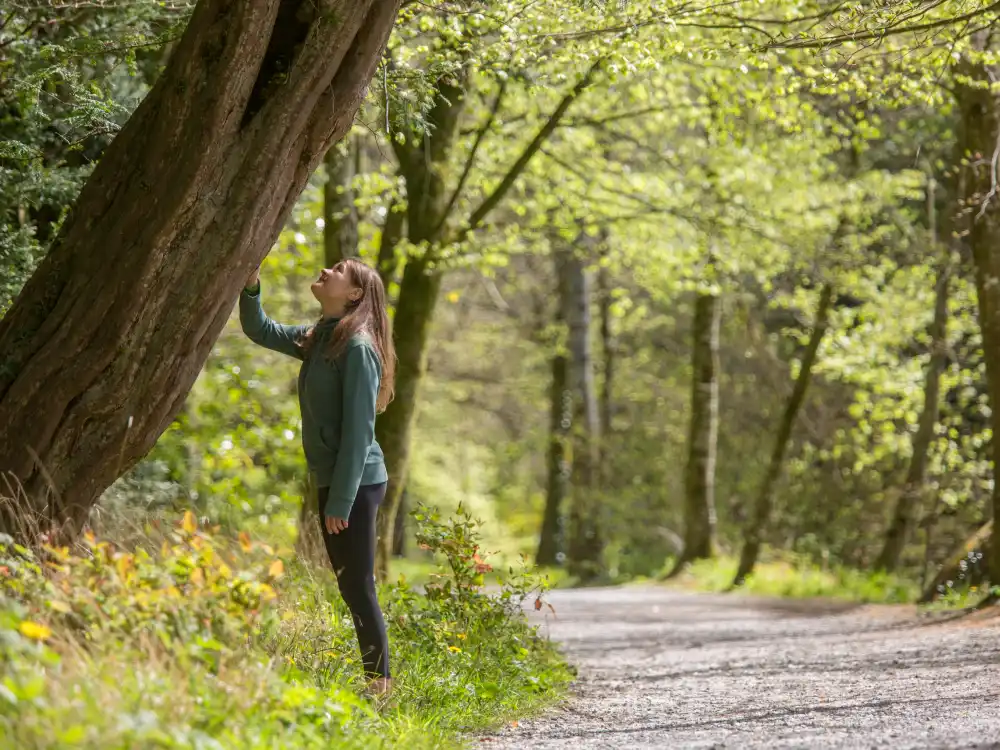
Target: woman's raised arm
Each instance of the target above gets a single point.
(260, 329)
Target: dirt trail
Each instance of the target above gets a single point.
(664, 669)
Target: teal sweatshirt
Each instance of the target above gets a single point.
(337, 399)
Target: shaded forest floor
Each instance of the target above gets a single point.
(663, 668)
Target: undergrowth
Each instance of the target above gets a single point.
(201, 640)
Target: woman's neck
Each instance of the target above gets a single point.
(333, 311)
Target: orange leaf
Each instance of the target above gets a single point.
(189, 524)
(277, 569)
(538, 603)
(245, 542)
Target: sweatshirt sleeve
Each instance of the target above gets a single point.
(261, 330)
(361, 378)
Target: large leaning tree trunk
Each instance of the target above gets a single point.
(105, 340)
(699, 474)
(979, 144)
(761, 513)
(908, 503)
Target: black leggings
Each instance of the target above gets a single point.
(352, 554)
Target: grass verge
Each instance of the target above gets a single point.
(799, 578)
(197, 640)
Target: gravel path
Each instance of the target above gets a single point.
(664, 669)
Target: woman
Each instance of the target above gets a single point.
(348, 364)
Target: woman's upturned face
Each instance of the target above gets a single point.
(335, 288)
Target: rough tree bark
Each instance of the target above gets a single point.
(979, 142)
(107, 337)
(909, 499)
(765, 497)
(699, 475)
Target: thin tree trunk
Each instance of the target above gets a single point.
(609, 348)
(309, 543)
(392, 232)
(765, 497)
(340, 215)
(585, 541)
(908, 503)
(979, 144)
(699, 475)
(418, 295)
(107, 337)
(399, 529)
(560, 422)
(422, 161)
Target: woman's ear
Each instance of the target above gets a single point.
(355, 294)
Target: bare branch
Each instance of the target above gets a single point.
(518, 167)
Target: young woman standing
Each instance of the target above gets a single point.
(348, 364)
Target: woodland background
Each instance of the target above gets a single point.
(677, 288)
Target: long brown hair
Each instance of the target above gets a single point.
(365, 315)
